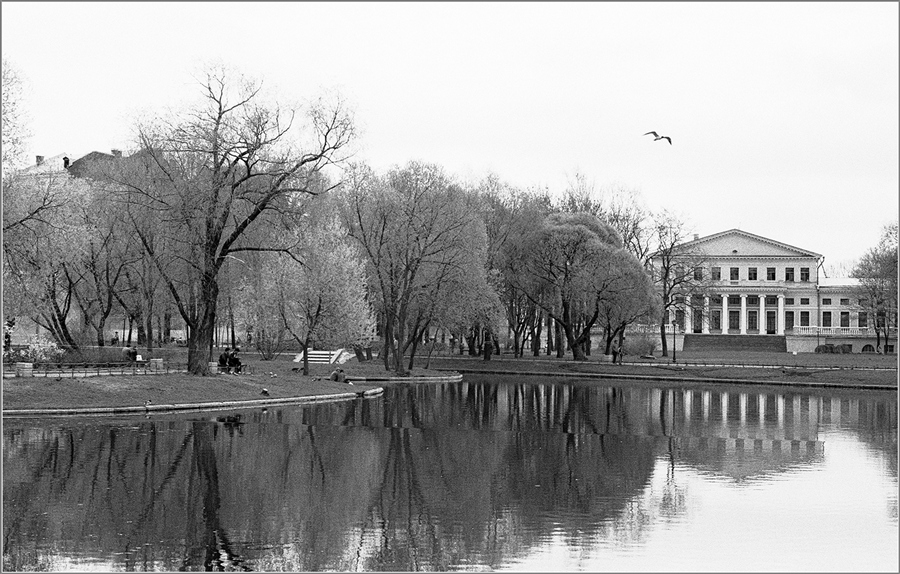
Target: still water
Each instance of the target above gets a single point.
(498, 473)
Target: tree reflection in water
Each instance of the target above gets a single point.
(426, 478)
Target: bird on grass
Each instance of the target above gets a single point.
(147, 404)
(656, 137)
(264, 392)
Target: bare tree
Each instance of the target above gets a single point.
(877, 275)
(573, 263)
(14, 125)
(679, 272)
(201, 182)
(422, 241)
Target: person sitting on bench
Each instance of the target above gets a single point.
(223, 361)
(234, 364)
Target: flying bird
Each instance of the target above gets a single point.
(656, 136)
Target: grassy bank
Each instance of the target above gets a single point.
(130, 390)
(281, 381)
(775, 367)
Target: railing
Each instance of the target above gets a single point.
(846, 331)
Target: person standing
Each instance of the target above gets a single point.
(615, 353)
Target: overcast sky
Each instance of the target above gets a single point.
(783, 117)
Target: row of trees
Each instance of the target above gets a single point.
(235, 207)
(238, 211)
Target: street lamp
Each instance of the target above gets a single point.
(673, 340)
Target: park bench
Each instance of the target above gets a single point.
(322, 357)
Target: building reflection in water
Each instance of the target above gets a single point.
(427, 477)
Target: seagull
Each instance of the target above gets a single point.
(656, 136)
(264, 392)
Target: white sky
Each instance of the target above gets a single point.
(783, 116)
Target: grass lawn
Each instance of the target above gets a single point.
(134, 390)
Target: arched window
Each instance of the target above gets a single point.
(868, 349)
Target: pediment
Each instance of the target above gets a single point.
(737, 243)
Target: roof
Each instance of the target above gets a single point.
(738, 243)
(78, 168)
(838, 282)
(49, 165)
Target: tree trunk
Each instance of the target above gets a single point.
(304, 348)
(167, 325)
(550, 327)
(536, 334)
(201, 338)
(560, 345)
(662, 335)
(101, 329)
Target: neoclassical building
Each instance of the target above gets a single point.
(759, 293)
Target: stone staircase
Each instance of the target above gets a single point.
(754, 343)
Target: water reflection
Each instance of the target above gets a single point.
(477, 475)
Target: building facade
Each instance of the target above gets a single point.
(752, 286)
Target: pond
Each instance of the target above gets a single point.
(494, 473)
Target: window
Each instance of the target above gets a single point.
(845, 318)
(863, 320)
(788, 320)
(789, 274)
(889, 349)
(770, 274)
(826, 318)
(698, 274)
(804, 300)
(845, 301)
(826, 301)
(752, 320)
(771, 300)
(788, 300)
(716, 273)
(804, 318)
(804, 274)
(734, 273)
(751, 274)
(752, 300)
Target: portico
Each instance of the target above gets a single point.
(747, 285)
(734, 312)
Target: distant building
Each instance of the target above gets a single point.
(775, 292)
(116, 325)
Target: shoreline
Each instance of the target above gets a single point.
(125, 394)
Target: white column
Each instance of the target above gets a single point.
(761, 320)
(779, 317)
(725, 313)
(743, 313)
(706, 315)
(688, 315)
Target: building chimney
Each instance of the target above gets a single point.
(65, 163)
(39, 159)
(696, 236)
(117, 153)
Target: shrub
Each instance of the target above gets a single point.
(640, 344)
(39, 350)
(825, 348)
